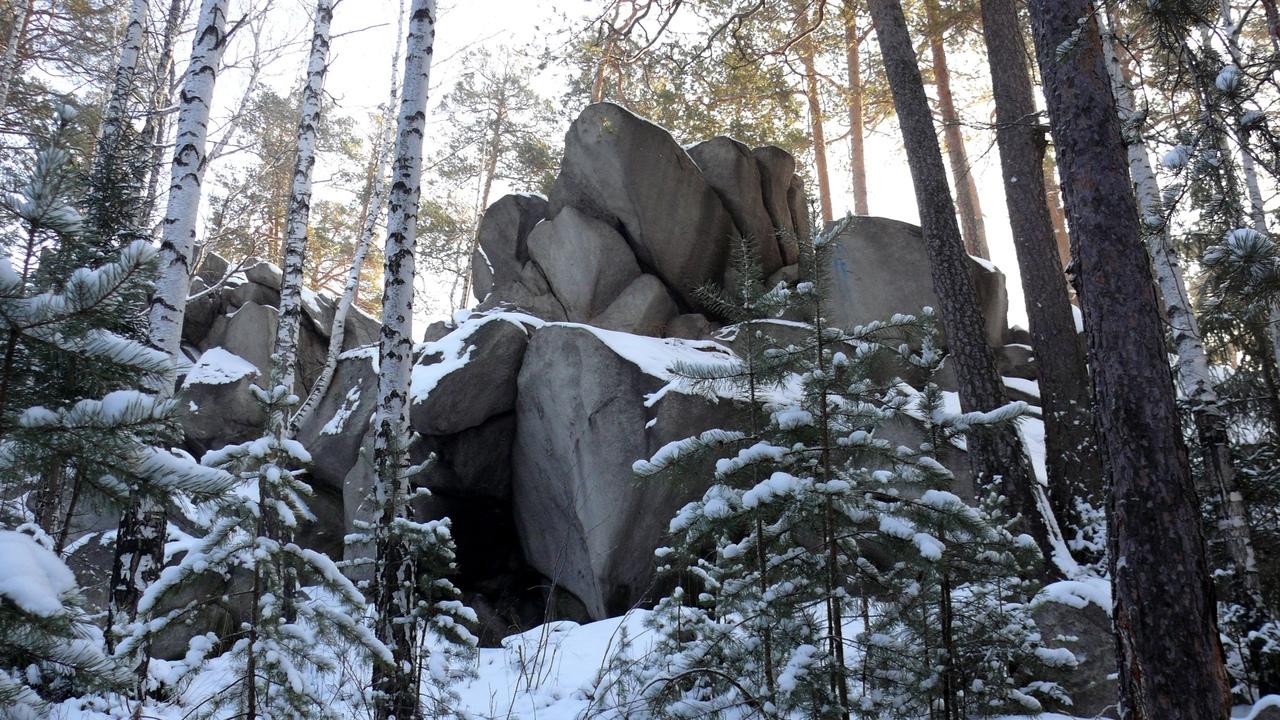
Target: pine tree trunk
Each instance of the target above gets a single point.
(284, 355)
(486, 187)
(815, 128)
(997, 457)
(115, 115)
(1192, 368)
(972, 228)
(373, 211)
(139, 552)
(1053, 195)
(1170, 658)
(857, 127)
(153, 130)
(9, 64)
(397, 693)
(1273, 23)
(1071, 451)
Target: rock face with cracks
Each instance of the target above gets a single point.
(536, 404)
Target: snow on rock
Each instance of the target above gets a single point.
(31, 576)
(455, 350)
(216, 366)
(1078, 593)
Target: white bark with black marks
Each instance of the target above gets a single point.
(373, 211)
(395, 688)
(115, 115)
(295, 248)
(9, 65)
(178, 232)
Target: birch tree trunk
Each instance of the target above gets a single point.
(9, 64)
(373, 211)
(153, 130)
(857, 126)
(115, 115)
(284, 355)
(1071, 453)
(1164, 610)
(139, 551)
(997, 457)
(396, 693)
(972, 228)
(815, 128)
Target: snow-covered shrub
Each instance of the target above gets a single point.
(806, 573)
(48, 649)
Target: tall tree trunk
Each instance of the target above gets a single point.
(283, 364)
(997, 456)
(373, 211)
(1273, 23)
(815, 128)
(486, 186)
(139, 552)
(1053, 195)
(9, 63)
(857, 128)
(1071, 451)
(397, 692)
(115, 115)
(1170, 658)
(972, 227)
(1192, 368)
(153, 129)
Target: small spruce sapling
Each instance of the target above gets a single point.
(280, 652)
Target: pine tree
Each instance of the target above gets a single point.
(76, 427)
(1073, 465)
(1170, 656)
(282, 648)
(998, 456)
(768, 563)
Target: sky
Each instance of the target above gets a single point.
(364, 37)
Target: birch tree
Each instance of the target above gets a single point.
(396, 692)
(114, 187)
(372, 213)
(1164, 610)
(115, 115)
(139, 552)
(9, 64)
(153, 129)
(283, 365)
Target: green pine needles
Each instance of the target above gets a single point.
(830, 570)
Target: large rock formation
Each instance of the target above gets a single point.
(535, 405)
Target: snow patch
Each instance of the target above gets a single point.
(219, 367)
(31, 576)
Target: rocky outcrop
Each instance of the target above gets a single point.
(880, 267)
(501, 250)
(732, 171)
(533, 407)
(578, 501)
